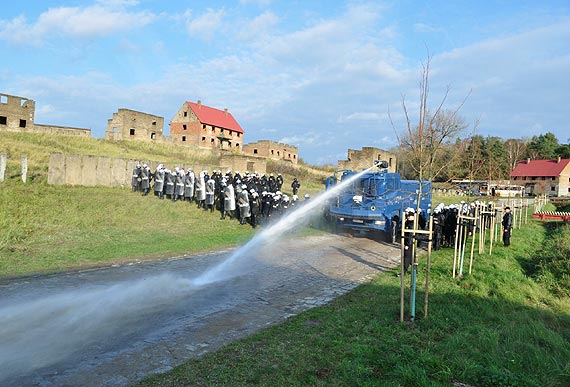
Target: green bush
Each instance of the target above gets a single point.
(553, 260)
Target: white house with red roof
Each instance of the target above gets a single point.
(206, 127)
(550, 177)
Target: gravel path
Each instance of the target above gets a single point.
(114, 326)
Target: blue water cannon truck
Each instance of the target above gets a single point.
(376, 201)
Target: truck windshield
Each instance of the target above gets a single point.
(369, 186)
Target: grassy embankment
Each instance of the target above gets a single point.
(507, 324)
(47, 228)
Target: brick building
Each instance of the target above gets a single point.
(272, 150)
(204, 126)
(17, 114)
(550, 177)
(361, 159)
(137, 126)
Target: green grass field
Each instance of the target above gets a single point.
(498, 327)
(48, 228)
(507, 324)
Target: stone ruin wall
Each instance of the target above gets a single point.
(359, 160)
(17, 114)
(145, 127)
(86, 170)
(272, 150)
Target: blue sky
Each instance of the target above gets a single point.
(321, 75)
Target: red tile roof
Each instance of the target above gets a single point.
(540, 168)
(215, 117)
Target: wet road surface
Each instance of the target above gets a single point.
(114, 326)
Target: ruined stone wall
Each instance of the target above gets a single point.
(132, 125)
(243, 163)
(86, 170)
(16, 113)
(272, 150)
(364, 158)
(65, 130)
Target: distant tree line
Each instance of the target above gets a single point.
(477, 157)
(430, 146)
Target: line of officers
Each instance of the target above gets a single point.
(251, 198)
(445, 225)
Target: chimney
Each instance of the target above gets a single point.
(528, 161)
(226, 113)
(199, 104)
(559, 158)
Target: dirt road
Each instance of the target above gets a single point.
(114, 326)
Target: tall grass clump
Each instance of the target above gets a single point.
(552, 261)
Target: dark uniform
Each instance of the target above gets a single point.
(159, 181)
(295, 185)
(408, 241)
(136, 183)
(145, 179)
(255, 207)
(507, 226)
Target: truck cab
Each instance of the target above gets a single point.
(376, 201)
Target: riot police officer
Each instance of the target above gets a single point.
(507, 226)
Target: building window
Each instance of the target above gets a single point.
(271, 151)
(254, 151)
(132, 131)
(183, 138)
(533, 178)
(153, 136)
(3, 99)
(183, 126)
(204, 126)
(203, 139)
(185, 114)
(553, 178)
(553, 188)
(221, 130)
(390, 162)
(278, 153)
(239, 134)
(237, 144)
(212, 140)
(294, 156)
(22, 123)
(153, 123)
(289, 155)
(3, 120)
(543, 178)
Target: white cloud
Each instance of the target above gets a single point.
(260, 3)
(43, 110)
(205, 25)
(517, 81)
(423, 27)
(258, 27)
(310, 138)
(362, 116)
(118, 3)
(74, 22)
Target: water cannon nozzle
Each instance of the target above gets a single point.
(381, 163)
